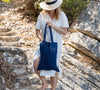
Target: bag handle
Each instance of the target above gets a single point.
(50, 33)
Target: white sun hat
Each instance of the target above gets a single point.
(50, 4)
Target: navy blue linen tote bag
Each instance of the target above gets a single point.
(48, 53)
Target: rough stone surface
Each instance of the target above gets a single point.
(18, 42)
(85, 35)
(90, 19)
(91, 44)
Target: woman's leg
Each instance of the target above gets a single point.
(43, 79)
(53, 81)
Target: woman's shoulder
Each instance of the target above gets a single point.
(63, 14)
(42, 15)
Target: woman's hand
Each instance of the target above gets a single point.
(58, 29)
(50, 24)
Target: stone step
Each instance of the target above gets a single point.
(76, 81)
(17, 56)
(3, 29)
(18, 43)
(9, 38)
(27, 80)
(60, 86)
(7, 33)
(22, 69)
(36, 87)
(17, 60)
(16, 49)
(31, 87)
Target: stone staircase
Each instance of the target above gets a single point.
(16, 56)
(19, 55)
(75, 75)
(20, 59)
(18, 43)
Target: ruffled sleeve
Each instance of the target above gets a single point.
(64, 20)
(41, 21)
(38, 24)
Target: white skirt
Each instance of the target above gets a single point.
(50, 73)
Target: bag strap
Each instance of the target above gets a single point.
(50, 33)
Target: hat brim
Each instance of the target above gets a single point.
(44, 6)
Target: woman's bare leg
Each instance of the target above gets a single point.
(53, 81)
(43, 79)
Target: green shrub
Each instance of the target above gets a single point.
(29, 8)
(73, 8)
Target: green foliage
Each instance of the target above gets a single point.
(73, 8)
(6, 1)
(36, 4)
(30, 10)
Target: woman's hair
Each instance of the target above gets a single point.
(57, 12)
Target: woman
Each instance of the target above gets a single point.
(54, 17)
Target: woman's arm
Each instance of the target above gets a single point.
(58, 29)
(38, 34)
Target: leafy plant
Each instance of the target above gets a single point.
(73, 8)
(6, 1)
